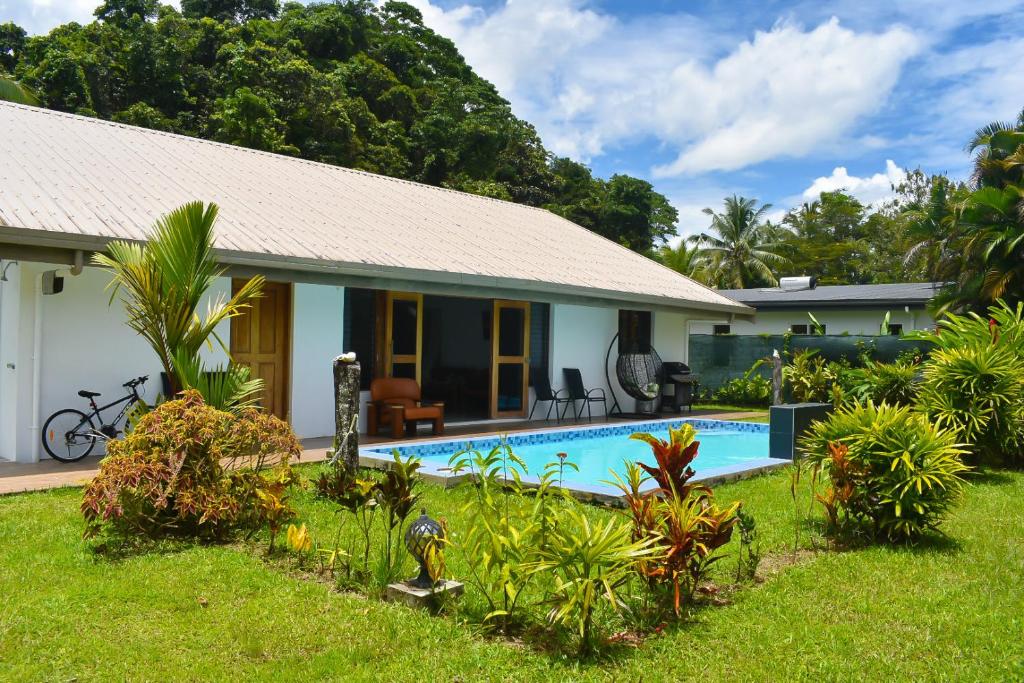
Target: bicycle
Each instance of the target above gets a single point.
(69, 435)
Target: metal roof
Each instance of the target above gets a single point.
(77, 182)
(915, 294)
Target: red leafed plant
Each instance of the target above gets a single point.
(681, 517)
(673, 458)
(188, 469)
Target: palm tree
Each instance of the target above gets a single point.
(13, 91)
(162, 284)
(681, 258)
(989, 223)
(741, 247)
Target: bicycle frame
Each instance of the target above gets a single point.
(129, 400)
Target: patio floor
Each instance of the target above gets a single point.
(49, 474)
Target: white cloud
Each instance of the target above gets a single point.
(590, 81)
(39, 16)
(873, 189)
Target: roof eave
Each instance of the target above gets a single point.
(326, 269)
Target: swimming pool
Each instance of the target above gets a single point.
(726, 449)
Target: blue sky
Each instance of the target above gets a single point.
(775, 100)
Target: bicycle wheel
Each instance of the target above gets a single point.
(68, 435)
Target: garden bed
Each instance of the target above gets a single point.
(946, 608)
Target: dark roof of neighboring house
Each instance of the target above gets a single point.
(915, 294)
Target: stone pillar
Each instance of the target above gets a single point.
(346, 411)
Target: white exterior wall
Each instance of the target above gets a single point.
(317, 328)
(836, 321)
(83, 344)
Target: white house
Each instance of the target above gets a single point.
(419, 281)
(840, 309)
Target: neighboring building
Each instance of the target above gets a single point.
(419, 281)
(841, 309)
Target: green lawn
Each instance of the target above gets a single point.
(951, 610)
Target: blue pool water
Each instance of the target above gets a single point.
(725, 448)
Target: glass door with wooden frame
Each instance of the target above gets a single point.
(510, 358)
(403, 335)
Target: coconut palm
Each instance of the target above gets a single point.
(681, 258)
(162, 284)
(741, 247)
(13, 91)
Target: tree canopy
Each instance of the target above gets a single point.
(355, 83)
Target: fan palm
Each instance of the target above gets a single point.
(162, 284)
(741, 247)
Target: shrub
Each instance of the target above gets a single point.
(590, 564)
(973, 382)
(891, 383)
(809, 377)
(890, 472)
(750, 390)
(508, 534)
(678, 516)
(190, 470)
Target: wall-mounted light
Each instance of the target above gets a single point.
(3, 271)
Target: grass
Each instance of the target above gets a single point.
(948, 609)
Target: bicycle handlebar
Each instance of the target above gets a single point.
(136, 382)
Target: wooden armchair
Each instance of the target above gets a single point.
(396, 402)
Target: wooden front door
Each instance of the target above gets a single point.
(260, 339)
(510, 358)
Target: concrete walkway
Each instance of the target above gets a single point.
(51, 474)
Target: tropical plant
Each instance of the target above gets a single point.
(739, 250)
(678, 516)
(892, 383)
(681, 258)
(748, 556)
(162, 284)
(355, 495)
(189, 470)
(590, 563)
(973, 381)
(809, 377)
(507, 533)
(890, 472)
(990, 223)
(750, 390)
(396, 496)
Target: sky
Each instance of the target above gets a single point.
(766, 99)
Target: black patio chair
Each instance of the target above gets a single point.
(577, 392)
(542, 388)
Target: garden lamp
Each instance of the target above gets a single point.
(421, 534)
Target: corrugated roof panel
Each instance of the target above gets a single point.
(71, 174)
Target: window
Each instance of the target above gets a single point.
(808, 329)
(721, 329)
(540, 338)
(360, 328)
(634, 331)
(896, 328)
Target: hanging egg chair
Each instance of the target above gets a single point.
(639, 373)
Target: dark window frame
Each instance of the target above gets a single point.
(636, 331)
(721, 329)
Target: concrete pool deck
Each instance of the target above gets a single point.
(50, 474)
